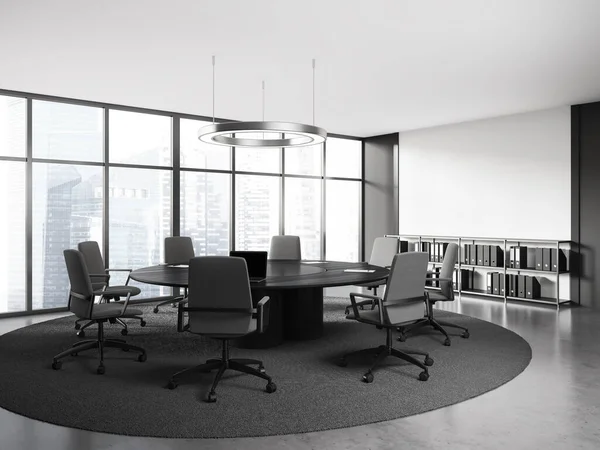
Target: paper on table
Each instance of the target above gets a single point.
(180, 265)
(315, 262)
(360, 270)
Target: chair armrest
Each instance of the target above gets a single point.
(263, 309)
(373, 298)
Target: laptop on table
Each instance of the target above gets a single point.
(256, 262)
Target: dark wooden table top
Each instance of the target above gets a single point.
(280, 274)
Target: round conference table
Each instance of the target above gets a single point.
(295, 289)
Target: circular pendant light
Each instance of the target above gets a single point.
(231, 134)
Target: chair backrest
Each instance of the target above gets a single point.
(447, 270)
(178, 249)
(383, 252)
(404, 297)
(219, 282)
(285, 247)
(80, 304)
(94, 262)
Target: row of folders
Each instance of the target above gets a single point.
(519, 257)
(523, 286)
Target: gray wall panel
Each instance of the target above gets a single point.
(381, 188)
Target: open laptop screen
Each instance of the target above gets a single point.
(256, 262)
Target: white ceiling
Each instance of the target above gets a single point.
(382, 66)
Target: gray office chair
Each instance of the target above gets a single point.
(100, 277)
(178, 250)
(446, 293)
(285, 247)
(220, 307)
(382, 254)
(81, 303)
(403, 302)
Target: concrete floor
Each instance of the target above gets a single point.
(553, 404)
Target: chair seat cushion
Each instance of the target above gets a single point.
(437, 297)
(109, 310)
(119, 291)
(222, 325)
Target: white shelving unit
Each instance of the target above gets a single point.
(553, 275)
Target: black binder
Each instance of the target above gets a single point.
(467, 254)
(521, 257)
(532, 287)
(539, 264)
(558, 260)
(521, 286)
(486, 255)
(490, 282)
(466, 279)
(512, 285)
(511, 257)
(442, 250)
(403, 246)
(496, 283)
(502, 279)
(546, 259)
(496, 256)
(473, 254)
(479, 255)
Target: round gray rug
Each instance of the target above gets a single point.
(313, 393)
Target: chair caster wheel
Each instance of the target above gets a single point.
(77, 326)
(271, 387)
(124, 332)
(142, 323)
(56, 365)
(342, 362)
(447, 342)
(347, 311)
(261, 369)
(368, 377)
(466, 334)
(423, 376)
(81, 334)
(379, 327)
(100, 370)
(172, 385)
(428, 361)
(155, 309)
(74, 354)
(211, 397)
(402, 337)
(142, 357)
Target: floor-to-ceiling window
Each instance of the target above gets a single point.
(139, 190)
(128, 177)
(67, 175)
(205, 191)
(13, 150)
(343, 205)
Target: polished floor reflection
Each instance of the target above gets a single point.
(553, 404)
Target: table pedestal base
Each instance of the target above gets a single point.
(295, 314)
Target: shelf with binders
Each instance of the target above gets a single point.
(551, 263)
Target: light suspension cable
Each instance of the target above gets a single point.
(296, 134)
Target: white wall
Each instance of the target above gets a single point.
(503, 177)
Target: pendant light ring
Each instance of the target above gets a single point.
(300, 134)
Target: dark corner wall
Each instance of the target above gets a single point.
(381, 188)
(585, 202)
